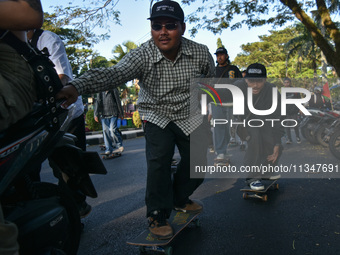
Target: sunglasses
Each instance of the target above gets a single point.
(168, 26)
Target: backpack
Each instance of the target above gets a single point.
(48, 82)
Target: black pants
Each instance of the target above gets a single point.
(77, 128)
(260, 145)
(163, 191)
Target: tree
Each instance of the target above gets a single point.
(119, 49)
(78, 43)
(270, 51)
(89, 16)
(219, 43)
(276, 13)
(303, 44)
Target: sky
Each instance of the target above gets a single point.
(135, 27)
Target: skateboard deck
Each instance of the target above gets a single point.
(110, 156)
(261, 194)
(178, 220)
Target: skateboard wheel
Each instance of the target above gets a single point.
(265, 198)
(168, 250)
(276, 186)
(245, 195)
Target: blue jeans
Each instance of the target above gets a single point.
(221, 131)
(111, 133)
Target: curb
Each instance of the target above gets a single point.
(95, 138)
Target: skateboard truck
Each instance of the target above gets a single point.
(111, 155)
(250, 193)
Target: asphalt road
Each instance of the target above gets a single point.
(302, 217)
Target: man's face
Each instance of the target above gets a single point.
(221, 58)
(256, 84)
(286, 83)
(167, 37)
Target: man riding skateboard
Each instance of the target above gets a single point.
(264, 145)
(164, 66)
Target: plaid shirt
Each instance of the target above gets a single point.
(164, 85)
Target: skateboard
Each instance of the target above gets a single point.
(222, 162)
(261, 194)
(178, 220)
(110, 156)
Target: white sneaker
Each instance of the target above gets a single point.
(119, 150)
(256, 185)
(220, 156)
(275, 177)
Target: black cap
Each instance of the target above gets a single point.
(221, 50)
(256, 71)
(167, 8)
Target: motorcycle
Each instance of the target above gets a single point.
(324, 127)
(334, 143)
(308, 124)
(45, 213)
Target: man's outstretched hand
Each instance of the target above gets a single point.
(69, 93)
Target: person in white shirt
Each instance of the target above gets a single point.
(50, 41)
(47, 40)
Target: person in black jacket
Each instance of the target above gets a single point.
(225, 72)
(109, 108)
(264, 143)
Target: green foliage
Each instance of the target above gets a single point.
(78, 43)
(218, 15)
(271, 51)
(119, 49)
(219, 43)
(91, 124)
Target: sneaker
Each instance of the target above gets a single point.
(107, 152)
(288, 141)
(271, 176)
(298, 140)
(211, 150)
(190, 207)
(220, 156)
(84, 209)
(174, 162)
(119, 150)
(232, 142)
(159, 225)
(256, 185)
(275, 177)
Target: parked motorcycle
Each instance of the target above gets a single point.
(334, 143)
(324, 126)
(45, 213)
(308, 124)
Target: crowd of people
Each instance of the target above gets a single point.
(164, 66)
